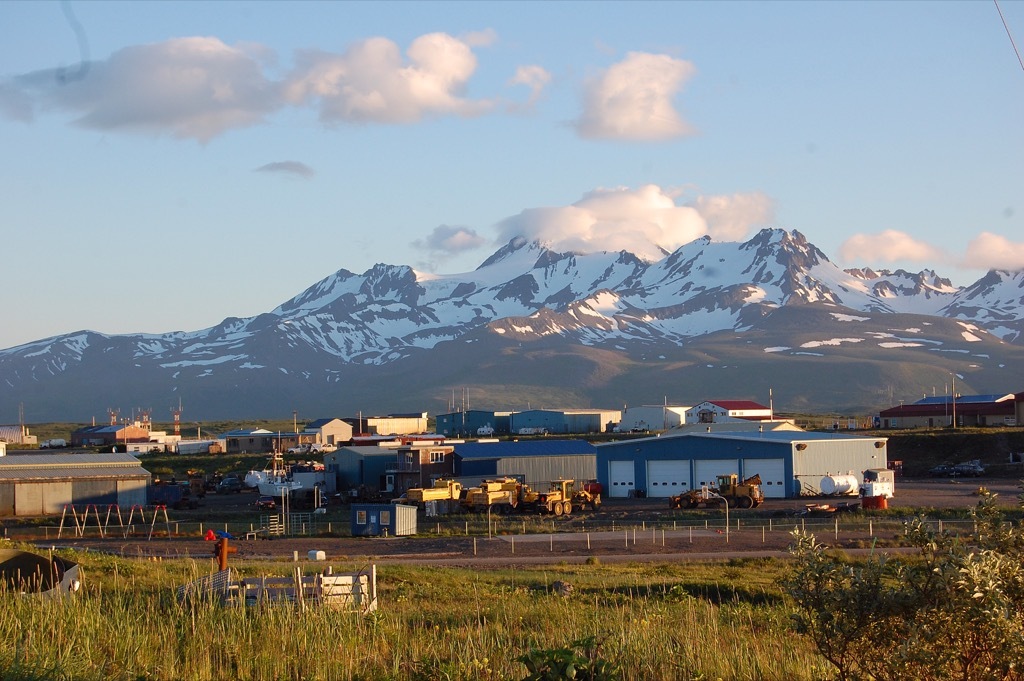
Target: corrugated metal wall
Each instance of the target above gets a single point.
(7, 499)
(826, 457)
(538, 471)
(101, 492)
(132, 492)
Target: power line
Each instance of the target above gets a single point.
(1009, 35)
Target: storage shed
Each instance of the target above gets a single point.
(376, 520)
(535, 462)
(789, 463)
(40, 484)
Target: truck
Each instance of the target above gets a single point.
(509, 495)
(727, 490)
(55, 443)
(443, 490)
(503, 493)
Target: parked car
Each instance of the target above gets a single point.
(943, 470)
(266, 503)
(299, 449)
(228, 485)
(323, 448)
(969, 468)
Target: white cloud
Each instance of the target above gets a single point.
(371, 82)
(446, 241)
(632, 100)
(199, 88)
(730, 218)
(534, 77)
(450, 240)
(484, 38)
(191, 87)
(889, 246)
(288, 168)
(993, 252)
(645, 221)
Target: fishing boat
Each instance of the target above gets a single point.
(273, 480)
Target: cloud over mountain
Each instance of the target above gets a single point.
(646, 221)
(991, 251)
(889, 246)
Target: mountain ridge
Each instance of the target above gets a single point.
(348, 332)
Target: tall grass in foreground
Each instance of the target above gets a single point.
(656, 621)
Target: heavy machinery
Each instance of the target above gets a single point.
(443, 490)
(507, 495)
(503, 493)
(728, 490)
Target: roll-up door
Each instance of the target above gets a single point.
(706, 470)
(621, 478)
(773, 475)
(668, 478)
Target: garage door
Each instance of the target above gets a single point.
(773, 475)
(621, 478)
(668, 478)
(706, 470)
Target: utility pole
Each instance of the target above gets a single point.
(954, 400)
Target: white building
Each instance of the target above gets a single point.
(652, 417)
(717, 410)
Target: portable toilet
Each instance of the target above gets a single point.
(378, 520)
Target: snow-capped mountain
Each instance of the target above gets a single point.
(349, 335)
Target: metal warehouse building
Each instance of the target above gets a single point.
(535, 462)
(38, 484)
(789, 463)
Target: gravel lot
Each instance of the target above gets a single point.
(644, 532)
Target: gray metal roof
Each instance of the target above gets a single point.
(497, 450)
(98, 472)
(33, 461)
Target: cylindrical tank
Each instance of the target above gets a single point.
(874, 503)
(839, 484)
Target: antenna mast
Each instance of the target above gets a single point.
(177, 418)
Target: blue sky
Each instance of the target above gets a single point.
(213, 160)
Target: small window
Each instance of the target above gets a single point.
(436, 457)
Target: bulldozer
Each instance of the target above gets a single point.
(728, 490)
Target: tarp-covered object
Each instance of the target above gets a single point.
(24, 572)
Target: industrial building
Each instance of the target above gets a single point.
(652, 417)
(17, 435)
(368, 469)
(329, 431)
(535, 462)
(530, 422)
(964, 410)
(40, 484)
(714, 410)
(467, 423)
(789, 463)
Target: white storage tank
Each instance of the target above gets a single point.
(836, 485)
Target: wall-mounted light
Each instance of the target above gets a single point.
(801, 446)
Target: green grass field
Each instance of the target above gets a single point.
(660, 621)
